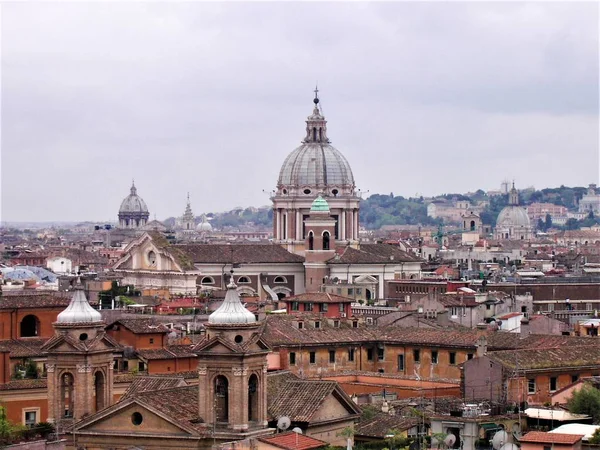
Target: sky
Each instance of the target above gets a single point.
(422, 98)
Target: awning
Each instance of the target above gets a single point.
(489, 426)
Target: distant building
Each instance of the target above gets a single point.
(537, 211)
(133, 212)
(513, 222)
(590, 202)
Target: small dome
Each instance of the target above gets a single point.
(133, 203)
(513, 216)
(79, 310)
(204, 225)
(319, 205)
(231, 311)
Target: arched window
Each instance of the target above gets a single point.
(207, 280)
(99, 390)
(314, 134)
(67, 392)
(326, 240)
(320, 134)
(30, 326)
(311, 241)
(243, 280)
(279, 279)
(222, 399)
(253, 398)
(472, 225)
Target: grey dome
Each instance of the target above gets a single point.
(79, 310)
(513, 216)
(231, 311)
(317, 165)
(204, 225)
(133, 203)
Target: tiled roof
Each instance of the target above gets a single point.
(318, 297)
(293, 441)
(141, 326)
(546, 358)
(168, 352)
(152, 384)
(542, 437)
(35, 300)
(23, 348)
(373, 254)
(379, 426)
(38, 383)
(457, 300)
(189, 254)
(281, 330)
(180, 404)
(129, 377)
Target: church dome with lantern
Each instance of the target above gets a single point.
(231, 310)
(79, 310)
(133, 212)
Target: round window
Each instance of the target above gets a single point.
(284, 191)
(307, 191)
(136, 418)
(335, 192)
(238, 339)
(83, 337)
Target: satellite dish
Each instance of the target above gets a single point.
(450, 440)
(499, 439)
(284, 423)
(297, 430)
(509, 446)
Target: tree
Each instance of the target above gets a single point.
(591, 215)
(586, 401)
(541, 225)
(396, 439)
(548, 224)
(595, 439)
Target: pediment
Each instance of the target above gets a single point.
(217, 345)
(119, 419)
(136, 256)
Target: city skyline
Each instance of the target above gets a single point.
(197, 98)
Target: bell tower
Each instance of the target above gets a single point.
(79, 362)
(319, 245)
(232, 370)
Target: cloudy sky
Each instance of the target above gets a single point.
(422, 98)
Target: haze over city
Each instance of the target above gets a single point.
(209, 98)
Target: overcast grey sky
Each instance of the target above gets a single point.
(421, 98)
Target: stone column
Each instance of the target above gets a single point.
(205, 392)
(342, 225)
(263, 396)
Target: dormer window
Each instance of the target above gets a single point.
(300, 325)
(317, 324)
(279, 279)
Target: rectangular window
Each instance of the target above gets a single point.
(339, 291)
(324, 307)
(417, 356)
(30, 418)
(308, 307)
(152, 340)
(292, 358)
(295, 306)
(452, 358)
(336, 324)
(488, 306)
(341, 307)
(313, 357)
(350, 354)
(469, 356)
(358, 291)
(125, 366)
(332, 356)
(380, 354)
(531, 386)
(553, 384)
(350, 291)
(369, 354)
(355, 324)
(317, 324)
(400, 363)
(141, 366)
(300, 325)
(434, 357)
(574, 378)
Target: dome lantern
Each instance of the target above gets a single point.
(79, 310)
(133, 212)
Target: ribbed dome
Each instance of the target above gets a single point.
(133, 203)
(317, 166)
(204, 225)
(319, 205)
(79, 310)
(513, 216)
(231, 311)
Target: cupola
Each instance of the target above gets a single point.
(231, 311)
(79, 310)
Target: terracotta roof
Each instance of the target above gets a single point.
(180, 404)
(456, 300)
(152, 384)
(318, 297)
(129, 377)
(140, 326)
(23, 348)
(37, 383)
(168, 352)
(293, 441)
(300, 399)
(546, 358)
(373, 254)
(542, 437)
(379, 426)
(35, 300)
(189, 254)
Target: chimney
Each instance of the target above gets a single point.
(525, 329)
(481, 346)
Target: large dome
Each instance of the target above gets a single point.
(513, 216)
(133, 203)
(316, 165)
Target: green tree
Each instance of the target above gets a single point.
(586, 401)
(541, 225)
(6, 428)
(595, 439)
(548, 222)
